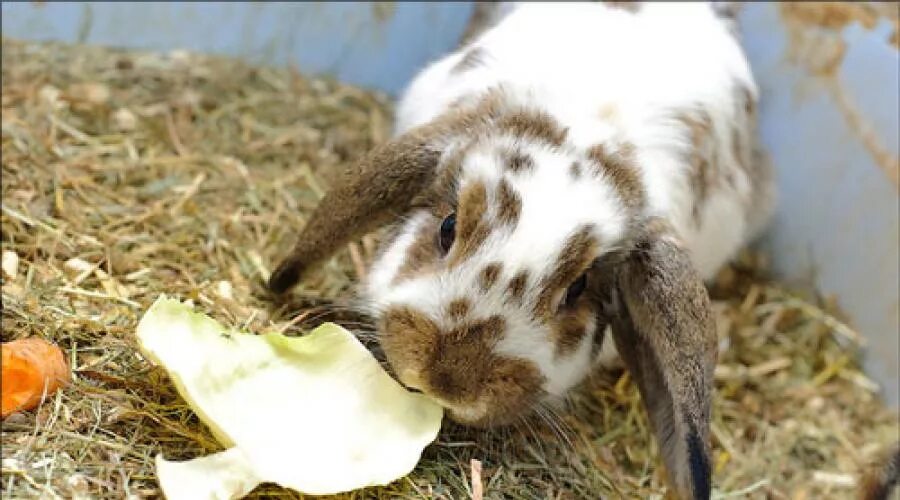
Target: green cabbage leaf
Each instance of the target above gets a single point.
(316, 413)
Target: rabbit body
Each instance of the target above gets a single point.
(559, 188)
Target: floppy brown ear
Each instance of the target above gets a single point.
(665, 333)
(365, 196)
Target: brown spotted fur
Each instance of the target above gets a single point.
(458, 309)
(515, 290)
(516, 162)
(575, 257)
(619, 167)
(571, 327)
(535, 125)
(471, 225)
(458, 366)
(421, 254)
(701, 156)
(509, 204)
(488, 276)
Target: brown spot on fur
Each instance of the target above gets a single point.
(700, 125)
(570, 330)
(519, 162)
(575, 170)
(471, 226)
(700, 157)
(472, 59)
(421, 254)
(488, 276)
(619, 166)
(534, 124)
(509, 204)
(516, 287)
(458, 309)
(632, 7)
(576, 256)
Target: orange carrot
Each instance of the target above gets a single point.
(28, 366)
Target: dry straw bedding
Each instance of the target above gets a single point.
(128, 174)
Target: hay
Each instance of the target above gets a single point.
(130, 174)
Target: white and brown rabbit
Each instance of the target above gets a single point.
(560, 187)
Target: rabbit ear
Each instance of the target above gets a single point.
(384, 184)
(665, 333)
(381, 185)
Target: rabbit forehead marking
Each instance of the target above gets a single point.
(472, 227)
(532, 124)
(618, 166)
(516, 161)
(534, 213)
(509, 204)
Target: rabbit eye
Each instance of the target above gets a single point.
(448, 232)
(575, 290)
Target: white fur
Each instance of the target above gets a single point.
(609, 76)
(390, 261)
(575, 59)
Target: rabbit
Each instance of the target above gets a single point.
(559, 189)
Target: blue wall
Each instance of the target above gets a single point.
(373, 44)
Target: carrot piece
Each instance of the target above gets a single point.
(28, 366)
